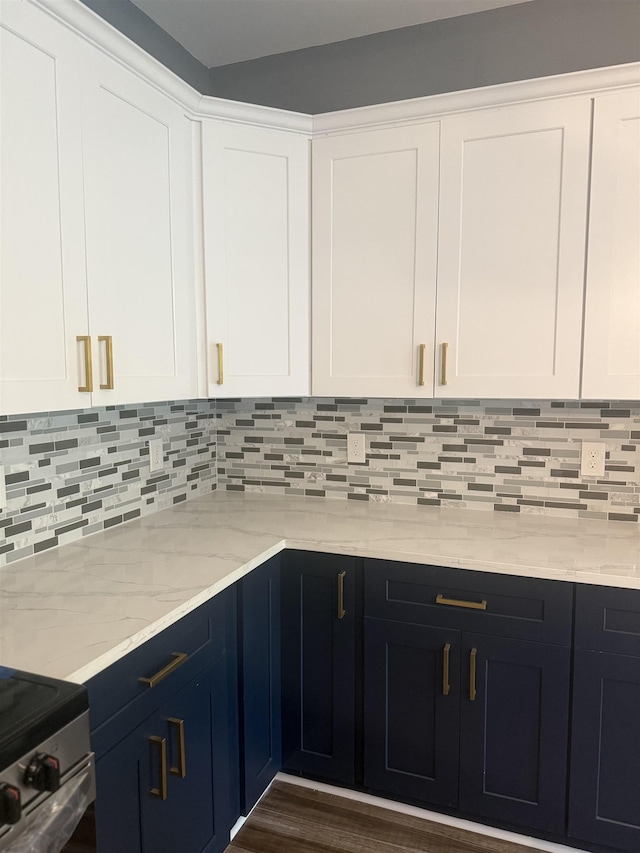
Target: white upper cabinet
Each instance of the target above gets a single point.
(139, 251)
(375, 225)
(513, 208)
(256, 249)
(43, 303)
(611, 362)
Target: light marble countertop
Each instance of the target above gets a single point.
(72, 611)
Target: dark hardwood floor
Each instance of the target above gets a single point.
(293, 819)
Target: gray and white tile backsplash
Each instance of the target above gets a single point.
(505, 456)
(69, 474)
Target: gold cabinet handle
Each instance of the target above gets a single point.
(161, 790)
(178, 659)
(421, 349)
(108, 342)
(88, 366)
(456, 602)
(181, 769)
(472, 675)
(341, 611)
(220, 364)
(443, 374)
(445, 669)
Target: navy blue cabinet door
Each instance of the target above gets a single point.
(412, 710)
(259, 655)
(318, 622)
(604, 798)
(165, 787)
(513, 731)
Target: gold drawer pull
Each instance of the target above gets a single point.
(108, 342)
(220, 364)
(181, 769)
(421, 350)
(178, 659)
(161, 790)
(88, 367)
(455, 602)
(445, 669)
(472, 675)
(443, 377)
(341, 611)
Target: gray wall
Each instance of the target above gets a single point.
(514, 43)
(520, 42)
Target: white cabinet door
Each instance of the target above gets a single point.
(256, 244)
(375, 221)
(137, 178)
(42, 279)
(611, 362)
(513, 190)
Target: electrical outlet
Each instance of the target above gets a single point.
(156, 461)
(356, 448)
(592, 459)
(3, 490)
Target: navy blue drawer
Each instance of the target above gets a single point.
(608, 619)
(505, 606)
(118, 700)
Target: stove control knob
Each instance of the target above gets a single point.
(43, 773)
(10, 804)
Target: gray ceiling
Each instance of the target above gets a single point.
(220, 32)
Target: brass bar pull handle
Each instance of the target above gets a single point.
(108, 342)
(181, 769)
(421, 350)
(178, 659)
(161, 790)
(88, 366)
(445, 669)
(472, 675)
(456, 602)
(220, 364)
(443, 375)
(341, 611)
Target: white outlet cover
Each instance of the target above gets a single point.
(156, 461)
(356, 448)
(3, 490)
(592, 457)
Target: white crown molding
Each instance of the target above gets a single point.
(433, 106)
(102, 35)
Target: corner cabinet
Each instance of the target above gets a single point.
(611, 368)
(255, 192)
(320, 626)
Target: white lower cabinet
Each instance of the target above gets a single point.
(375, 227)
(256, 249)
(513, 208)
(611, 366)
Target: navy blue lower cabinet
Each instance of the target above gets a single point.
(604, 798)
(514, 731)
(165, 787)
(411, 711)
(318, 622)
(259, 678)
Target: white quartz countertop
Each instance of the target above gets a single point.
(72, 611)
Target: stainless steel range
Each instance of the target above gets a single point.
(46, 765)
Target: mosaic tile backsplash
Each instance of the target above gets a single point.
(69, 474)
(504, 456)
(74, 473)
